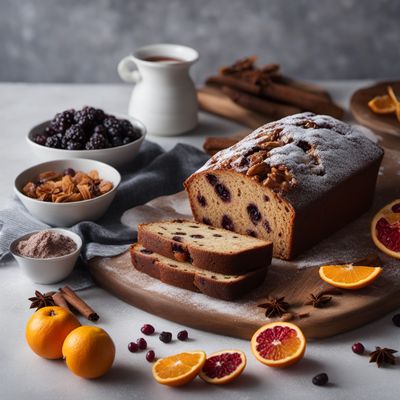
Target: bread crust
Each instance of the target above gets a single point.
(189, 280)
(224, 263)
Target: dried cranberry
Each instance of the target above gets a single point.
(182, 335)
(206, 221)
(267, 226)
(176, 238)
(223, 192)
(304, 145)
(396, 320)
(266, 198)
(69, 171)
(251, 233)
(142, 344)
(165, 337)
(201, 200)
(145, 251)
(254, 213)
(227, 223)
(133, 347)
(396, 208)
(150, 356)
(358, 348)
(320, 379)
(212, 179)
(197, 236)
(147, 329)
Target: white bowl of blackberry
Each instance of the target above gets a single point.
(88, 133)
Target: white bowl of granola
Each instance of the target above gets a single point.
(65, 192)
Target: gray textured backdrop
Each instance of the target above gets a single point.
(82, 40)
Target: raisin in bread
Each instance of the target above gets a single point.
(186, 276)
(292, 181)
(205, 247)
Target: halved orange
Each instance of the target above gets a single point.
(223, 367)
(382, 104)
(349, 276)
(179, 369)
(385, 229)
(278, 344)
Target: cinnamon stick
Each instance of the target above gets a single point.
(298, 97)
(263, 106)
(302, 99)
(222, 80)
(225, 107)
(213, 145)
(79, 304)
(307, 86)
(59, 300)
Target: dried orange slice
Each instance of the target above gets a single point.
(278, 344)
(392, 95)
(395, 101)
(349, 276)
(179, 369)
(385, 229)
(223, 367)
(382, 105)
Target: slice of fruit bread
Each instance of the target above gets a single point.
(205, 247)
(186, 276)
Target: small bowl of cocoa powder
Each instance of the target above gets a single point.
(47, 256)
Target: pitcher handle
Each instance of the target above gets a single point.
(127, 70)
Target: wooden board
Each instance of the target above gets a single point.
(242, 317)
(385, 123)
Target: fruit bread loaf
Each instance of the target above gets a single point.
(186, 276)
(205, 247)
(292, 181)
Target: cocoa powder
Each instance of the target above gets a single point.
(46, 244)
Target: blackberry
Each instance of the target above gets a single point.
(99, 115)
(40, 139)
(86, 117)
(100, 129)
(54, 142)
(97, 141)
(116, 141)
(49, 131)
(74, 146)
(113, 127)
(129, 130)
(62, 121)
(127, 140)
(75, 134)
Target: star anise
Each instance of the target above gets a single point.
(383, 356)
(275, 307)
(318, 300)
(41, 300)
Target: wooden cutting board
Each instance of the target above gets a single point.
(295, 280)
(385, 123)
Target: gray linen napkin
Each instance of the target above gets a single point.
(153, 173)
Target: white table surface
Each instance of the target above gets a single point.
(23, 375)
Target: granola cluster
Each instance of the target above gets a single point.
(66, 187)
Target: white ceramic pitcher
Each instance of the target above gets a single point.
(164, 97)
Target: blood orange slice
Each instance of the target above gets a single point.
(278, 344)
(223, 367)
(385, 229)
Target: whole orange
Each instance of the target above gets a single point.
(46, 330)
(89, 351)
